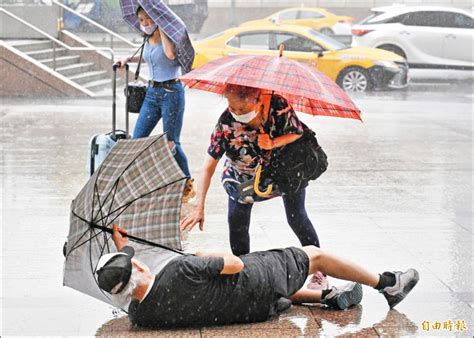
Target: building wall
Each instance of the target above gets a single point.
(23, 77)
(44, 17)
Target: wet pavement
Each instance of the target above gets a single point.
(398, 194)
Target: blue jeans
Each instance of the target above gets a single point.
(238, 217)
(166, 103)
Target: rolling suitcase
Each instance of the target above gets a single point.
(101, 144)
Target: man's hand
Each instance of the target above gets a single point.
(196, 216)
(119, 240)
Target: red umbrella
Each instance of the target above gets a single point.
(306, 89)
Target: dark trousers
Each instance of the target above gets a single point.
(239, 214)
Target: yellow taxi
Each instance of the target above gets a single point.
(354, 69)
(314, 17)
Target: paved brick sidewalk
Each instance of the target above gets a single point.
(311, 321)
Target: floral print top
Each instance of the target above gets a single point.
(239, 142)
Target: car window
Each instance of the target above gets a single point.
(295, 43)
(288, 15)
(426, 19)
(438, 19)
(328, 41)
(251, 41)
(463, 21)
(396, 19)
(446, 19)
(234, 42)
(310, 15)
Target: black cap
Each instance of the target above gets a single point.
(114, 270)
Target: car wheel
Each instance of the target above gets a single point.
(394, 49)
(354, 79)
(327, 31)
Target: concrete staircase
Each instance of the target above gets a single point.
(69, 64)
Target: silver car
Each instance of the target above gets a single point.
(426, 36)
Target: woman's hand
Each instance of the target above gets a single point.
(265, 142)
(196, 216)
(121, 63)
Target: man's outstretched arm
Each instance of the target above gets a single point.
(232, 264)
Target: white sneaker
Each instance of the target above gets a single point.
(342, 298)
(404, 283)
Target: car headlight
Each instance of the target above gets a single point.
(386, 64)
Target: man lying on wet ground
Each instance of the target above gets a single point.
(215, 289)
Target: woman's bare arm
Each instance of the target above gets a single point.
(168, 46)
(197, 215)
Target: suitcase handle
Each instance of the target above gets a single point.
(115, 66)
(126, 100)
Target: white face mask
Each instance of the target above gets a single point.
(245, 118)
(149, 30)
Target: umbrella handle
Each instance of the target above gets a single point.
(282, 46)
(257, 181)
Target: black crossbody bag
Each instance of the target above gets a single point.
(135, 92)
(295, 164)
(290, 168)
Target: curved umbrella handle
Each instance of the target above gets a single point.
(257, 181)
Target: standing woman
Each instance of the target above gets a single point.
(239, 135)
(165, 93)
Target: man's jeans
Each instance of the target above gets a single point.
(166, 103)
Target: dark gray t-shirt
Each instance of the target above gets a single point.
(190, 291)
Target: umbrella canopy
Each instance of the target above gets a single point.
(305, 88)
(138, 186)
(168, 22)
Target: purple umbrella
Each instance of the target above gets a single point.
(168, 22)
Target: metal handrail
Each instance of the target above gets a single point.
(59, 42)
(105, 29)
